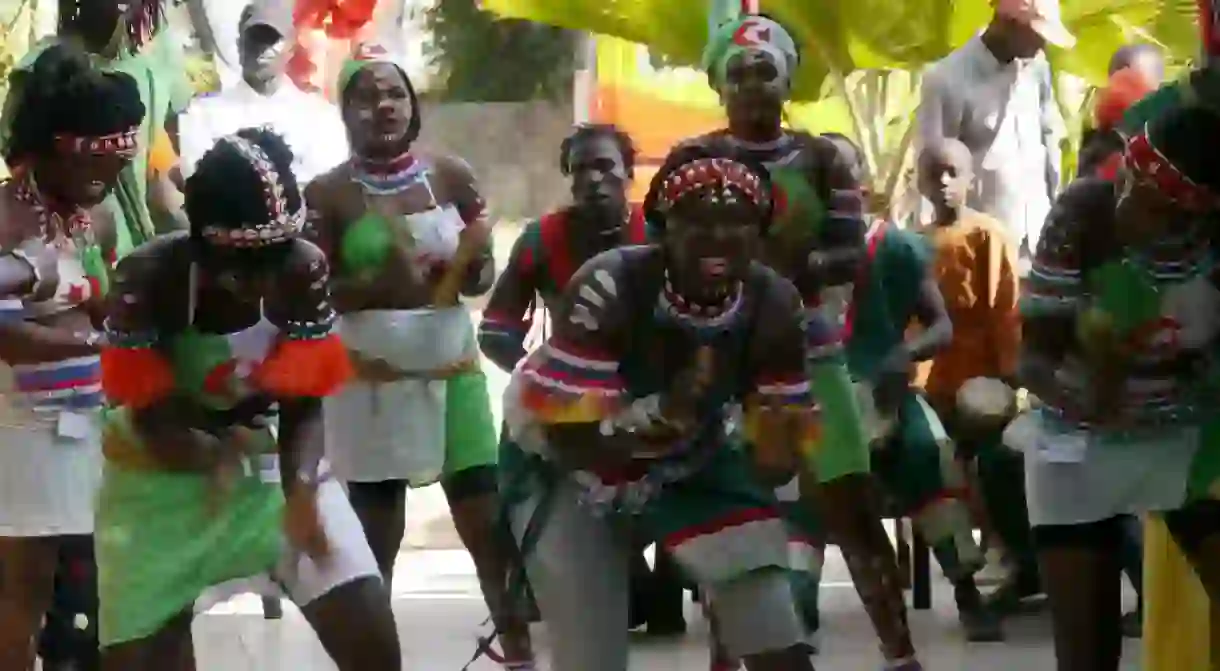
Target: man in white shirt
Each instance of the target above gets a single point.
(265, 96)
(996, 95)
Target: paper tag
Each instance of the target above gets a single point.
(269, 468)
(1063, 448)
(74, 425)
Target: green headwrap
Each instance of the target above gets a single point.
(365, 55)
(743, 34)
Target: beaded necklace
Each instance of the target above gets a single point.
(705, 319)
(76, 229)
(384, 178)
(53, 227)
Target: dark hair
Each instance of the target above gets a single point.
(63, 94)
(593, 131)
(1189, 137)
(1095, 147)
(1127, 54)
(682, 155)
(142, 20)
(227, 190)
(416, 124)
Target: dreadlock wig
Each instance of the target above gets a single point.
(592, 131)
(69, 106)
(243, 202)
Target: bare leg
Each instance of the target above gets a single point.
(27, 578)
(475, 506)
(382, 509)
(170, 649)
(1081, 570)
(849, 507)
(356, 627)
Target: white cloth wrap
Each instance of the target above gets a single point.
(396, 430)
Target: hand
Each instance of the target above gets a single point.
(373, 370)
(680, 405)
(893, 380)
(303, 523)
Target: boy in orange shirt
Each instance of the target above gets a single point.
(975, 264)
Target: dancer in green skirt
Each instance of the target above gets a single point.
(209, 335)
(407, 233)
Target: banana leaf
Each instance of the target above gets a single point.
(842, 36)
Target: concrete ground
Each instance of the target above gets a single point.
(440, 612)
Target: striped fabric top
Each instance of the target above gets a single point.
(1175, 276)
(39, 392)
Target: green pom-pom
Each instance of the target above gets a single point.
(366, 244)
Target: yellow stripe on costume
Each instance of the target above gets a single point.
(1178, 627)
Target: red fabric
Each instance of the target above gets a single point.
(305, 368)
(557, 251)
(1126, 87)
(1109, 167)
(862, 277)
(136, 378)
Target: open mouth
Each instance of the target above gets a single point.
(715, 267)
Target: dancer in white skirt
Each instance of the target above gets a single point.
(1122, 321)
(71, 137)
(407, 234)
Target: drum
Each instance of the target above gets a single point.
(985, 404)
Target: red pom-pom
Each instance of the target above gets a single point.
(305, 368)
(135, 377)
(1126, 87)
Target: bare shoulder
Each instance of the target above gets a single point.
(451, 167)
(775, 293)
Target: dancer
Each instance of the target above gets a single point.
(622, 415)
(408, 233)
(914, 460)
(816, 241)
(600, 161)
(1120, 327)
(73, 135)
(128, 38)
(208, 335)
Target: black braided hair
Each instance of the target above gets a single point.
(416, 124)
(684, 154)
(1189, 137)
(98, 19)
(593, 131)
(63, 94)
(226, 190)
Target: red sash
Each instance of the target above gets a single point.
(558, 253)
(862, 276)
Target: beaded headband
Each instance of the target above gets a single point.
(281, 224)
(721, 181)
(1150, 166)
(123, 143)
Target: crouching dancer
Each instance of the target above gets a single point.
(209, 334)
(624, 413)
